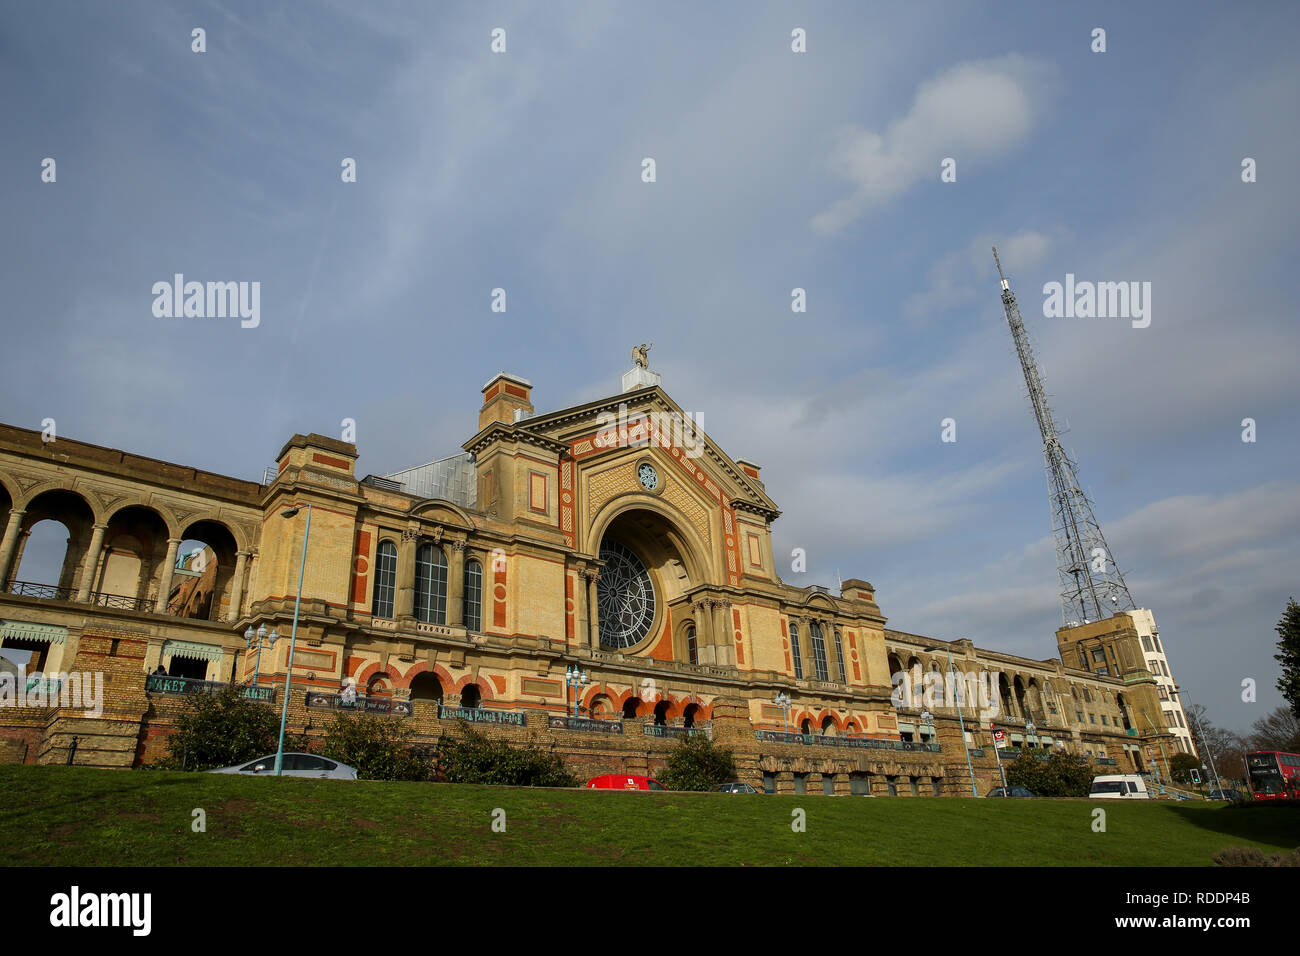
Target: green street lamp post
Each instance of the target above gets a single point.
(293, 637)
(974, 791)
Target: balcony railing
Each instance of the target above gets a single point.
(48, 591)
(864, 743)
(121, 601)
(51, 592)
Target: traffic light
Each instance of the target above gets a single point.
(1196, 776)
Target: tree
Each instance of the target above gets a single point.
(219, 730)
(380, 748)
(1222, 748)
(1288, 645)
(1060, 775)
(472, 757)
(1280, 730)
(1181, 767)
(697, 764)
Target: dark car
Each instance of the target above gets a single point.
(1232, 796)
(1011, 792)
(734, 786)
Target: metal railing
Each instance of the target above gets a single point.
(50, 592)
(121, 601)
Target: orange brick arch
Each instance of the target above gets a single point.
(484, 687)
(421, 667)
(363, 678)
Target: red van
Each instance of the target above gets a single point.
(623, 781)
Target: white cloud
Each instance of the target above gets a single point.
(973, 112)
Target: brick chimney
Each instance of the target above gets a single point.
(503, 396)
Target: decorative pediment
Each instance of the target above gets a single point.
(646, 418)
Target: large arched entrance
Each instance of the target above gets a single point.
(642, 592)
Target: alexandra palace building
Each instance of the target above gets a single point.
(592, 579)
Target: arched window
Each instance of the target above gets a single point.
(839, 655)
(431, 584)
(471, 696)
(819, 651)
(629, 708)
(385, 579)
(473, 595)
(794, 650)
(692, 649)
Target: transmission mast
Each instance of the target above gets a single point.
(1092, 586)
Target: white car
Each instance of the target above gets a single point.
(1119, 786)
(294, 765)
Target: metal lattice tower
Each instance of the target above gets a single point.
(1092, 586)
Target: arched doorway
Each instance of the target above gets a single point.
(688, 715)
(630, 707)
(426, 686)
(471, 696)
(661, 713)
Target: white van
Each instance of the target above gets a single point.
(1119, 786)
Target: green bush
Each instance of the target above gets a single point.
(696, 764)
(472, 757)
(1181, 767)
(219, 730)
(1061, 775)
(380, 748)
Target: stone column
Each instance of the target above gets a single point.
(165, 581)
(704, 631)
(237, 587)
(593, 612)
(722, 638)
(9, 544)
(405, 607)
(456, 585)
(90, 564)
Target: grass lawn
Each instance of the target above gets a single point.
(69, 816)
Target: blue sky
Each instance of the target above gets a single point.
(775, 170)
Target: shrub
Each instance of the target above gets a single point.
(380, 748)
(697, 764)
(472, 757)
(1061, 775)
(1249, 856)
(1181, 767)
(221, 729)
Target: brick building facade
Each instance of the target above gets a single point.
(609, 538)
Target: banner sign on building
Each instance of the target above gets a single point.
(481, 716)
(323, 700)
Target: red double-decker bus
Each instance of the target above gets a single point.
(1274, 775)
